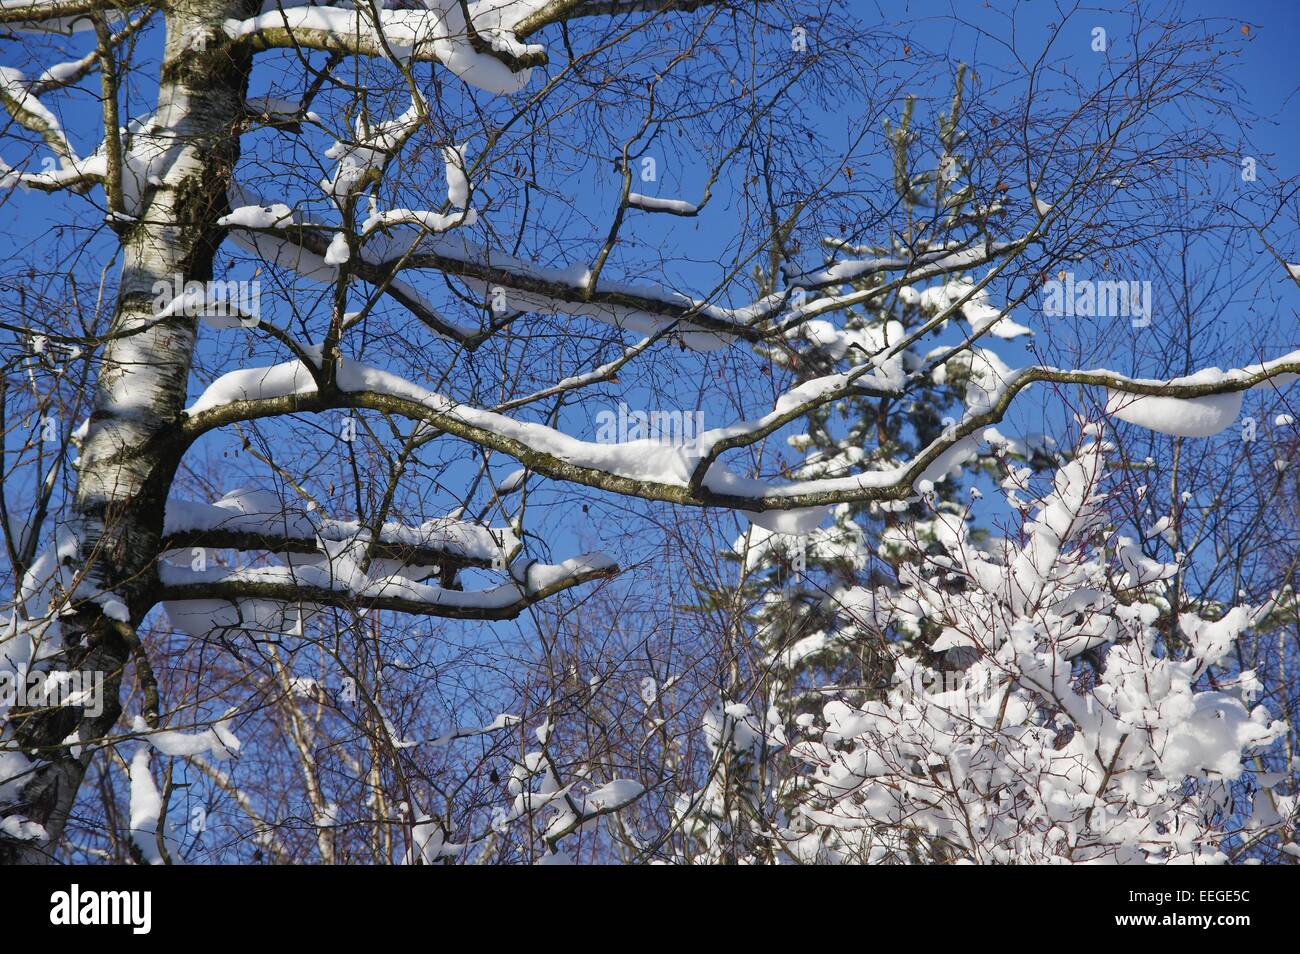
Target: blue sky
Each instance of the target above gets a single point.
(1263, 66)
(690, 249)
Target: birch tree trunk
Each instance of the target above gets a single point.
(133, 444)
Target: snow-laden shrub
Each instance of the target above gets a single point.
(1059, 714)
(720, 822)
